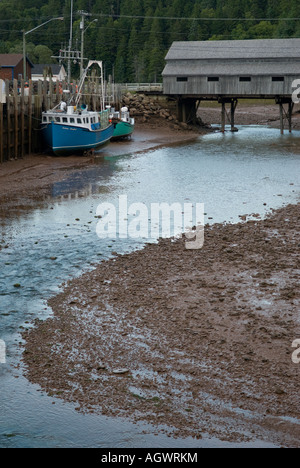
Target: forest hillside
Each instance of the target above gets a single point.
(132, 37)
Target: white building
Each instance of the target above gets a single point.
(57, 72)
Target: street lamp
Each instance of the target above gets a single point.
(25, 33)
(83, 14)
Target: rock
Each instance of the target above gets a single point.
(101, 367)
(184, 125)
(120, 371)
(279, 391)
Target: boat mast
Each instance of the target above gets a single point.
(82, 80)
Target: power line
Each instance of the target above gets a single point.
(176, 18)
(165, 18)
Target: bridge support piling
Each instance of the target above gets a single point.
(233, 105)
(223, 116)
(291, 108)
(285, 114)
(187, 110)
(281, 118)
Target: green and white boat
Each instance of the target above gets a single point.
(124, 124)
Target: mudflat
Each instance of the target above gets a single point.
(196, 342)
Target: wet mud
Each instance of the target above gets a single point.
(24, 183)
(251, 113)
(196, 342)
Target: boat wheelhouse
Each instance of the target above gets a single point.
(124, 124)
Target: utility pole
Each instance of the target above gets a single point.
(66, 54)
(24, 56)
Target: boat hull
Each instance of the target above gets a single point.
(123, 130)
(66, 139)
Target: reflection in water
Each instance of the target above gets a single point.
(233, 175)
(85, 182)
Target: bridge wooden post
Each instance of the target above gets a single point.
(281, 118)
(179, 109)
(285, 114)
(187, 110)
(234, 104)
(223, 116)
(291, 108)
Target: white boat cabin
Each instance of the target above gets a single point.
(123, 115)
(73, 117)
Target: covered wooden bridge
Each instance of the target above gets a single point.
(227, 71)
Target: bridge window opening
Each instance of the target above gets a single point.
(213, 79)
(182, 79)
(245, 79)
(278, 79)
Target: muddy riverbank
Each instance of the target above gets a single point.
(198, 343)
(28, 181)
(250, 113)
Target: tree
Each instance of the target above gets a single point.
(43, 54)
(136, 43)
(133, 56)
(262, 30)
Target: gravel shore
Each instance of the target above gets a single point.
(198, 343)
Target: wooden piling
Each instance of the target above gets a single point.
(291, 108)
(29, 112)
(281, 118)
(22, 110)
(234, 104)
(1, 134)
(8, 124)
(223, 116)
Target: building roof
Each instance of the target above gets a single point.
(206, 68)
(249, 49)
(12, 60)
(39, 69)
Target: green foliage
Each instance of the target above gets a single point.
(133, 37)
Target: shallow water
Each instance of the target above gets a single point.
(233, 174)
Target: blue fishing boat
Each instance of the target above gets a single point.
(73, 129)
(76, 131)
